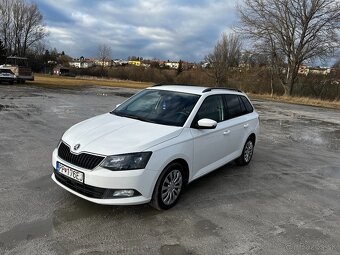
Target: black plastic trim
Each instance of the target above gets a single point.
(221, 88)
(87, 190)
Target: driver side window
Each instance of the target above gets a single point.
(211, 108)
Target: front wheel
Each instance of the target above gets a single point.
(168, 187)
(247, 153)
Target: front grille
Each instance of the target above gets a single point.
(84, 160)
(84, 189)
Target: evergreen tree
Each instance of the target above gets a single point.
(180, 67)
(2, 53)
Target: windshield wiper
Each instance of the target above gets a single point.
(128, 116)
(115, 113)
(133, 117)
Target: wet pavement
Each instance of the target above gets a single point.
(287, 201)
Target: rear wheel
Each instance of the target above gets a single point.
(168, 187)
(247, 153)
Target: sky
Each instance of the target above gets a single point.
(161, 29)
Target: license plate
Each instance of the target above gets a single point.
(70, 172)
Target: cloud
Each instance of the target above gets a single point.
(61, 36)
(156, 34)
(83, 19)
(164, 29)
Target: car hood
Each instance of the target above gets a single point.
(109, 134)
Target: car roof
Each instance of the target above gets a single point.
(198, 90)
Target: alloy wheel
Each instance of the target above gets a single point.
(171, 187)
(248, 151)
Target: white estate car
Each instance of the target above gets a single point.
(6, 75)
(154, 143)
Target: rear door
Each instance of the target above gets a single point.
(238, 123)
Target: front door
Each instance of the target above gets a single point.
(210, 145)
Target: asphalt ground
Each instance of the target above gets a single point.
(287, 201)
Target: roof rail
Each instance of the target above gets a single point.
(225, 88)
(174, 84)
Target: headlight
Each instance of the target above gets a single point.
(130, 161)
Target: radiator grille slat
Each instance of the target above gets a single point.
(84, 160)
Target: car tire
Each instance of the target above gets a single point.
(168, 187)
(247, 153)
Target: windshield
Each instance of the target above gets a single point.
(6, 71)
(158, 106)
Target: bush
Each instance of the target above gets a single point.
(255, 80)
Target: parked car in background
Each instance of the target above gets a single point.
(6, 75)
(19, 66)
(154, 143)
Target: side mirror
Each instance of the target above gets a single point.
(206, 124)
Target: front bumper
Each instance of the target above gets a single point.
(7, 79)
(99, 182)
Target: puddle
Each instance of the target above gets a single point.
(123, 94)
(306, 131)
(21, 112)
(328, 172)
(41, 183)
(82, 209)
(4, 107)
(206, 227)
(25, 231)
(173, 249)
(64, 216)
(303, 235)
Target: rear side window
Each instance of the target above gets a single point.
(234, 106)
(247, 104)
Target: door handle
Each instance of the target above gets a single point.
(246, 125)
(227, 132)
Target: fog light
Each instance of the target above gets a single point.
(124, 193)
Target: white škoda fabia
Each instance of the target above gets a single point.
(154, 143)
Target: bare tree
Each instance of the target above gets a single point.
(104, 53)
(293, 31)
(254, 58)
(34, 29)
(6, 32)
(226, 54)
(21, 25)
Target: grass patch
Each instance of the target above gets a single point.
(298, 100)
(74, 82)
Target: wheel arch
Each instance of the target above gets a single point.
(185, 165)
(179, 160)
(252, 136)
(155, 194)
